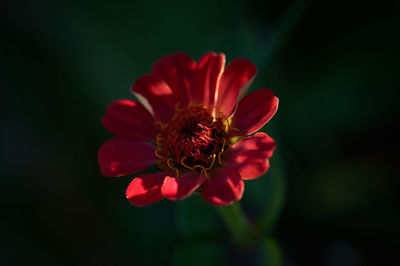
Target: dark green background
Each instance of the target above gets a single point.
(333, 180)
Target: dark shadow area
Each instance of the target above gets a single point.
(333, 64)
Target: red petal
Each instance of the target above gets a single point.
(158, 95)
(254, 111)
(237, 76)
(129, 120)
(250, 155)
(224, 187)
(146, 189)
(118, 157)
(208, 71)
(175, 188)
(177, 70)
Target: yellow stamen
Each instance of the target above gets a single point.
(228, 125)
(158, 139)
(219, 158)
(185, 165)
(212, 163)
(177, 107)
(160, 124)
(202, 169)
(173, 168)
(223, 145)
(206, 175)
(158, 155)
(174, 116)
(222, 150)
(162, 140)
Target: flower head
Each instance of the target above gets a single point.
(194, 123)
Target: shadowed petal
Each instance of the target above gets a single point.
(129, 120)
(177, 70)
(208, 71)
(118, 157)
(146, 189)
(175, 188)
(254, 111)
(250, 155)
(237, 78)
(155, 95)
(224, 187)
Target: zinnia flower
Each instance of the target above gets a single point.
(193, 123)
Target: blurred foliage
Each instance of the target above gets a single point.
(333, 64)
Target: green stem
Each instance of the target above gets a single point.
(272, 254)
(276, 199)
(236, 222)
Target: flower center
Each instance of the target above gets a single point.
(193, 140)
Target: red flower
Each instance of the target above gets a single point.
(187, 123)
